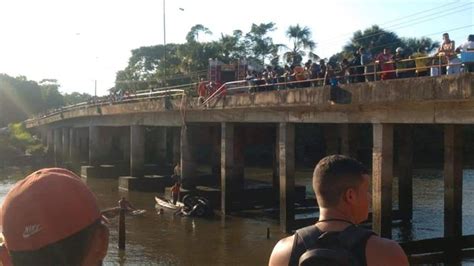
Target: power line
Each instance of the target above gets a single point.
(382, 31)
(397, 19)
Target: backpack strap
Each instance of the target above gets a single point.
(304, 239)
(309, 235)
(354, 235)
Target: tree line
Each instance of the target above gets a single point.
(173, 64)
(21, 98)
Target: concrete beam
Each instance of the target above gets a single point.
(287, 175)
(382, 177)
(137, 151)
(74, 145)
(453, 172)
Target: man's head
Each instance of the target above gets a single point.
(470, 38)
(342, 183)
(446, 37)
(52, 218)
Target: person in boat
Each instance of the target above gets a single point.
(124, 204)
(176, 177)
(341, 185)
(175, 190)
(51, 217)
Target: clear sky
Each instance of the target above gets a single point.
(78, 42)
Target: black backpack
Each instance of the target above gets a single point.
(331, 248)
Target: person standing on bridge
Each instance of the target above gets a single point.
(341, 185)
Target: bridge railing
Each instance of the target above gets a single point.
(279, 83)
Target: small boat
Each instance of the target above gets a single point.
(168, 203)
(136, 212)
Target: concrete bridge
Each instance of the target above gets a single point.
(179, 127)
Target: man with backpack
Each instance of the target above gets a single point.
(341, 185)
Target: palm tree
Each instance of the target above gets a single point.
(301, 39)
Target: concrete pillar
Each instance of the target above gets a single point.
(94, 146)
(382, 177)
(349, 141)
(58, 147)
(137, 151)
(276, 159)
(239, 157)
(405, 172)
(227, 165)
(331, 137)
(453, 148)
(287, 175)
(65, 147)
(188, 164)
(215, 134)
(161, 144)
(74, 145)
(50, 142)
(176, 146)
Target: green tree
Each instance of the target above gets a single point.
(52, 98)
(412, 45)
(76, 97)
(259, 44)
(193, 34)
(302, 45)
(374, 38)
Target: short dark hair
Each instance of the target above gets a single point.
(68, 251)
(332, 177)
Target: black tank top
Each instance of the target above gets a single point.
(353, 237)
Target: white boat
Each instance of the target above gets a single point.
(168, 203)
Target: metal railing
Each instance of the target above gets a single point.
(279, 83)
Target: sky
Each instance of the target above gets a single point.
(80, 42)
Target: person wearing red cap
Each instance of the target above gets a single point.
(52, 218)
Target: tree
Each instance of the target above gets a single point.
(76, 97)
(50, 92)
(193, 34)
(259, 44)
(412, 45)
(302, 45)
(232, 47)
(373, 38)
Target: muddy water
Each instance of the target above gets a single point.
(170, 240)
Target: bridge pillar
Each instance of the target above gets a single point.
(453, 148)
(176, 143)
(405, 172)
(50, 142)
(276, 159)
(66, 143)
(74, 145)
(227, 167)
(188, 163)
(287, 175)
(137, 151)
(161, 146)
(382, 177)
(94, 146)
(348, 135)
(215, 134)
(58, 147)
(331, 138)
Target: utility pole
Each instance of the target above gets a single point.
(95, 88)
(164, 43)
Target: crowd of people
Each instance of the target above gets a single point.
(364, 66)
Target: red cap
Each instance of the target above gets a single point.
(47, 206)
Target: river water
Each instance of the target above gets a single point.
(166, 239)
